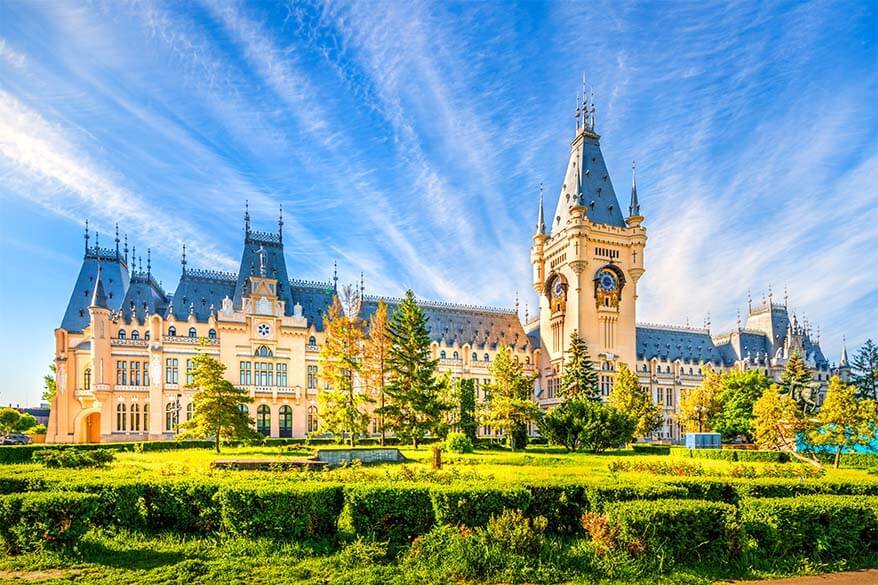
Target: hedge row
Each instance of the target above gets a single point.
(647, 449)
(744, 455)
(858, 460)
(35, 520)
(23, 453)
(732, 490)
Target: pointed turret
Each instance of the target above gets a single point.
(98, 296)
(634, 206)
(843, 362)
(541, 223)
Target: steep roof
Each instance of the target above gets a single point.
(263, 253)
(144, 297)
(114, 281)
(198, 290)
(672, 343)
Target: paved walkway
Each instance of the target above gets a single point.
(865, 577)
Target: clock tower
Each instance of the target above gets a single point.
(586, 262)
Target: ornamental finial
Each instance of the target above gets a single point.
(183, 259)
(126, 248)
(117, 240)
(148, 263)
(280, 224)
(86, 237)
(246, 217)
(335, 275)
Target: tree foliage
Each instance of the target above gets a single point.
(795, 380)
(864, 370)
(844, 422)
(466, 408)
(589, 424)
(342, 405)
(217, 403)
(777, 420)
(578, 377)
(700, 404)
(376, 352)
(739, 391)
(413, 405)
(14, 421)
(510, 405)
(49, 385)
(629, 397)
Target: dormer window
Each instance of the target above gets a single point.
(172, 331)
(312, 340)
(211, 334)
(135, 334)
(193, 332)
(121, 334)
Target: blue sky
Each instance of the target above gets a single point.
(407, 140)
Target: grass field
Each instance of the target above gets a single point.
(121, 556)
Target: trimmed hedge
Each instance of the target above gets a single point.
(474, 505)
(705, 488)
(561, 504)
(743, 455)
(388, 512)
(73, 458)
(281, 512)
(36, 520)
(857, 460)
(678, 530)
(16, 484)
(822, 528)
(10, 454)
(647, 449)
(599, 495)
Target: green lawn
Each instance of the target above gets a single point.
(118, 556)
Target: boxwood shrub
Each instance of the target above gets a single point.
(281, 511)
(473, 505)
(676, 530)
(820, 527)
(743, 455)
(561, 504)
(647, 449)
(392, 513)
(706, 488)
(36, 520)
(781, 488)
(599, 495)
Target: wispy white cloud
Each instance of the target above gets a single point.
(12, 56)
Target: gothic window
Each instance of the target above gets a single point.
(487, 358)
(312, 340)
(442, 354)
(86, 379)
(190, 365)
(282, 375)
(135, 418)
(263, 352)
(121, 334)
(455, 355)
(120, 417)
(475, 357)
(192, 332)
(170, 417)
(312, 377)
(146, 373)
(135, 334)
(644, 368)
(172, 331)
(171, 371)
(211, 334)
(146, 335)
(146, 418)
(285, 421)
(263, 420)
(527, 359)
(135, 374)
(121, 372)
(312, 419)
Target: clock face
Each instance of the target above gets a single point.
(608, 281)
(263, 330)
(558, 288)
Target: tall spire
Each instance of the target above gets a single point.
(126, 248)
(148, 263)
(86, 237)
(134, 258)
(117, 240)
(98, 296)
(541, 223)
(634, 206)
(247, 217)
(843, 362)
(280, 224)
(183, 259)
(335, 275)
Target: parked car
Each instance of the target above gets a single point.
(14, 439)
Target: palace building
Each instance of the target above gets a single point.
(125, 345)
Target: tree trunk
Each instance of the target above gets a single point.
(216, 443)
(837, 457)
(381, 417)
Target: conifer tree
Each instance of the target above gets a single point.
(217, 404)
(376, 353)
(342, 404)
(413, 405)
(467, 408)
(579, 380)
(795, 380)
(844, 422)
(630, 398)
(510, 405)
(864, 371)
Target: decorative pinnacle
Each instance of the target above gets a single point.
(785, 296)
(183, 259)
(634, 206)
(148, 263)
(247, 217)
(86, 237)
(739, 319)
(749, 301)
(335, 275)
(98, 244)
(280, 223)
(126, 248)
(541, 223)
(117, 240)
(134, 256)
(362, 284)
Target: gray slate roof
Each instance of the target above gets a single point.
(673, 343)
(114, 279)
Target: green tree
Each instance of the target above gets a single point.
(510, 406)
(218, 405)
(26, 422)
(413, 405)
(466, 405)
(9, 417)
(342, 405)
(778, 422)
(843, 421)
(49, 384)
(376, 353)
(583, 423)
(864, 371)
(629, 397)
(738, 392)
(699, 405)
(578, 376)
(795, 380)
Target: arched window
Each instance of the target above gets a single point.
(121, 334)
(312, 340)
(475, 357)
(86, 379)
(135, 334)
(170, 417)
(190, 410)
(172, 331)
(120, 417)
(487, 358)
(263, 351)
(244, 408)
(455, 355)
(263, 420)
(192, 332)
(146, 418)
(135, 415)
(527, 359)
(211, 334)
(442, 354)
(286, 421)
(146, 335)
(312, 419)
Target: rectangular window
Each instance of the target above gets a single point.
(135, 375)
(120, 372)
(171, 371)
(312, 377)
(606, 384)
(245, 378)
(270, 372)
(282, 374)
(145, 381)
(189, 366)
(669, 396)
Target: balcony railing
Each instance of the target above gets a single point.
(190, 340)
(130, 342)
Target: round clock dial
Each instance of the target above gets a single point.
(263, 330)
(607, 281)
(558, 288)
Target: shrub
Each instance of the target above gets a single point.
(73, 458)
(600, 495)
(396, 514)
(669, 467)
(515, 533)
(280, 511)
(561, 504)
(714, 490)
(745, 455)
(753, 456)
(647, 449)
(458, 443)
(676, 530)
(37, 520)
(475, 505)
(182, 505)
(822, 528)
(122, 502)
(788, 470)
(859, 460)
(15, 484)
(781, 488)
